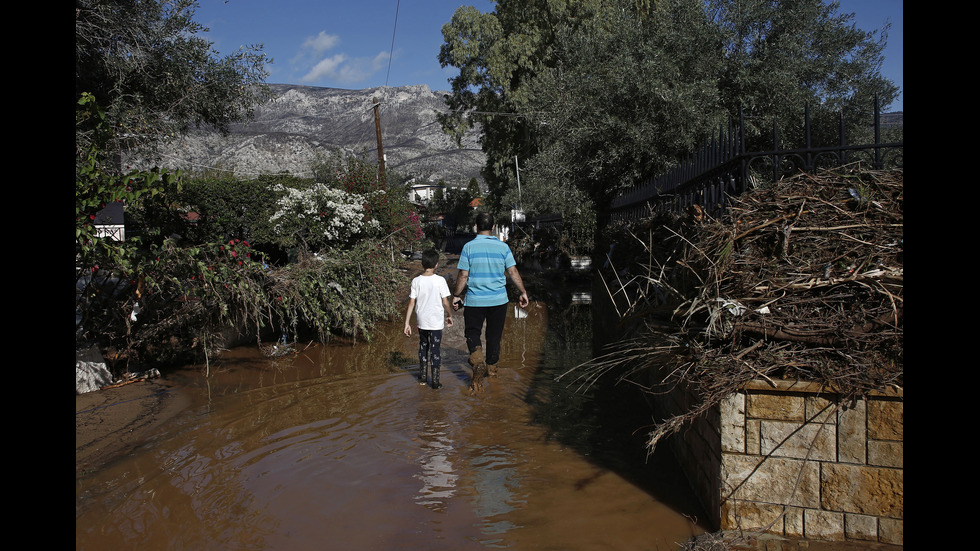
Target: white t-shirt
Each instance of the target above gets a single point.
(428, 292)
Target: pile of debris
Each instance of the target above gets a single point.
(802, 280)
(805, 280)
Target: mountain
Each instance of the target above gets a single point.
(303, 123)
(893, 119)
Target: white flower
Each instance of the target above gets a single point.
(332, 214)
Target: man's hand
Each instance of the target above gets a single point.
(456, 305)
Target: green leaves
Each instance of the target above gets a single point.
(189, 260)
(780, 55)
(98, 185)
(596, 95)
(155, 74)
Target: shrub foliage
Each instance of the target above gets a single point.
(214, 260)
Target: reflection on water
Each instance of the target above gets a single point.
(496, 480)
(339, 448)
(437, 473)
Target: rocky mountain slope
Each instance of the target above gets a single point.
(304, 123)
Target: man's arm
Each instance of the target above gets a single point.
(461, 279)
(515, 276)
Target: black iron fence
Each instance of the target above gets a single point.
(722, 168)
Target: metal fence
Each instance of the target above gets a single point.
(722, 168)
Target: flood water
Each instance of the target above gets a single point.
(338, 447)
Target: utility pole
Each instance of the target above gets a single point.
(517, 168)
(381, 153)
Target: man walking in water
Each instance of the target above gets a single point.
(484, 265)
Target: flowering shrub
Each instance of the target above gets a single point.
(191, 279)
(397, 222)
(319, 217)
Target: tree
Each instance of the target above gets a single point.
(596, 95)
(455, 206)
(141, 75)
(499, 54)
(780, 56)
(144, 62)
(473, 188)
(628, 93)
(392, 216)
(98, 184)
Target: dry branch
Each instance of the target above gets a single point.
(802, 279)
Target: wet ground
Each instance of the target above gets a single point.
(338, 447)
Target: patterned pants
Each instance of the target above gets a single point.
(430, 341)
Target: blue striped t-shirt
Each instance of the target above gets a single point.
(486, 258)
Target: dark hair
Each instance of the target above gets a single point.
(484, 221)
(430, 258)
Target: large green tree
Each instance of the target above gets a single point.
(154, 75)
(591, 96)
(628, 93)
(499, 54)
(781, 55)
(144, 74)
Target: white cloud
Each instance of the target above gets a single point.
(321, 42)
(340, 67)
(346, 70)
(325, 68)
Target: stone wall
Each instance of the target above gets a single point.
(791, 459)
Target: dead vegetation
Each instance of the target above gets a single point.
(800, 280)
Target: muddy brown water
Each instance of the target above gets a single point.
(338, 447)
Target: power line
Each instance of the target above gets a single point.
(384, 93)
(391, 53)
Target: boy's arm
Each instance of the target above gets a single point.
(408, 317)
(449, 311)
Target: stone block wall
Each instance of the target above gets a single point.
(791, 459)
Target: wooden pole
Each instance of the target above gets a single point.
(377, 128)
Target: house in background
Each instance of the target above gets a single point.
(110, 222)
(424, 192)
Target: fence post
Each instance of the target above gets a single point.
(775, 155)
(843, 138)
(699, 178)
(878, 162)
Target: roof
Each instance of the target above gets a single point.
(111, 214)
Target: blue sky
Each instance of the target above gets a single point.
(370, 43)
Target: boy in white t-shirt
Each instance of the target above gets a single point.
(429, 298)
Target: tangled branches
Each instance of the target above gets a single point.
(190, 302)
(806, 280)
(800, 280)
